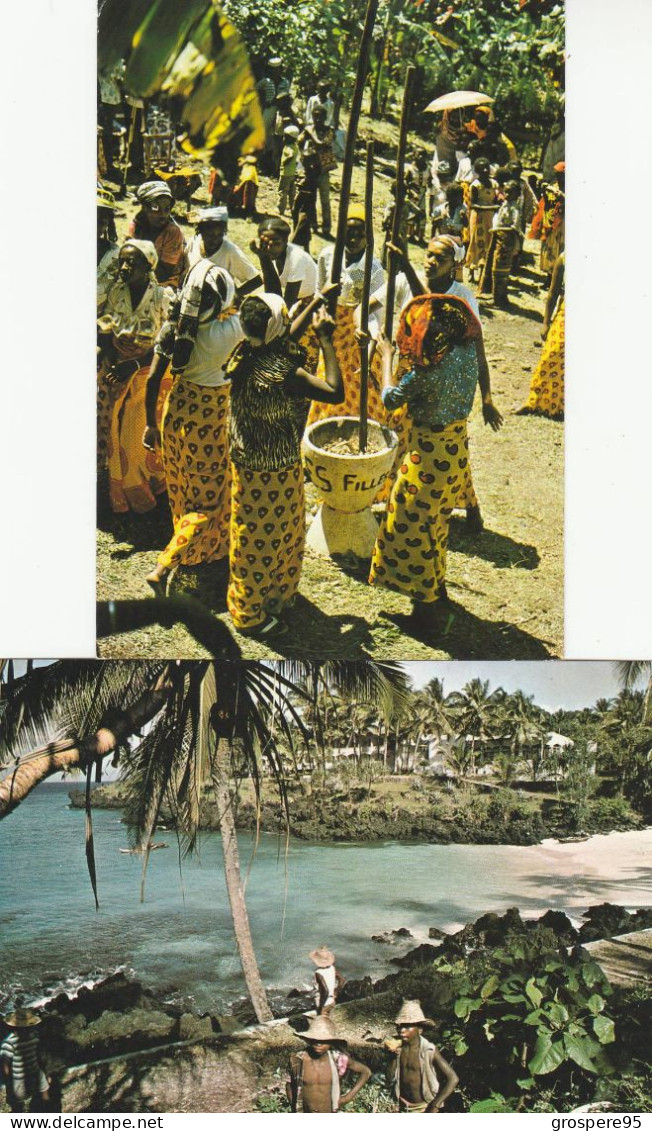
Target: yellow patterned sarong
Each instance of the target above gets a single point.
(547, 385)
(197, 472)
(268, 529)
(348, 356)
(410, 551)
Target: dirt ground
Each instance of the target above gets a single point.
(505, 585)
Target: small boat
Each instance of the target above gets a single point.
(141, 848)
(574, 839)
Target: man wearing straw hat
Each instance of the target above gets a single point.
(22, 1073)
(314, 1083)
(420, 1078)
(329, 981)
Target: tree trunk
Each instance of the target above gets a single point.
(239, 914)
(58, 756)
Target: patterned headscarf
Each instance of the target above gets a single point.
(151, 189)
(431, 325)
(459, 251)
(146, 248)
(177, 339)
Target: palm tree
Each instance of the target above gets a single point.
(201, 719)
(522, 720)
(633, 672)
(474, 708)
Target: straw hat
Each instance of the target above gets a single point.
(411, 1013)
(321, 1029)
(322, 956)
(22, 1018)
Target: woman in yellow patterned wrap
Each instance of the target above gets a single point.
(268, 522)
(196, 341)
(347, 322)
(547, 386)
(441, 339)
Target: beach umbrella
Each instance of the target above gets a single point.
(456, 99)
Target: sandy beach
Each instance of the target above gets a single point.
(614, 867)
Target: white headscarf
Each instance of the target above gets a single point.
(217, 215)
(278, 322)
(146, 248)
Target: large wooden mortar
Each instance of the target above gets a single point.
(349, 484)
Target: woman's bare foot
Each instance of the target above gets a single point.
(157, 580)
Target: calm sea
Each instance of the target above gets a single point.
(180, 942)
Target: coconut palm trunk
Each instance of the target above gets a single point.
(69, 755)
(232, 875)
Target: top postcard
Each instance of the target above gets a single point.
(330, 311)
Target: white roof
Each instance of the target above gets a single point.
(555, 739)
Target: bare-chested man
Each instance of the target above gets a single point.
(314, 1083)
(420, 1078)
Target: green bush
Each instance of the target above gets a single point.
(524, 1013)
(607, 813)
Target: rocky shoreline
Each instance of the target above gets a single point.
(118, 1019)
(357, 815)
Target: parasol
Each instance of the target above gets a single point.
(458, 98)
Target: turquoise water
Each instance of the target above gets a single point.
(180, 942)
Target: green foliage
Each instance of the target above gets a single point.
(272, 1102)
(526, 1014)
(608, 813)
(312, 38)
(516, 56)
(374, 1097)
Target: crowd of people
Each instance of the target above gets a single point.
(213, 357)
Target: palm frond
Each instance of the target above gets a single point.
(68, 699)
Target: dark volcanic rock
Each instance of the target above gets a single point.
(417, 957)
(559, 922)
(392, 936)
(435, 933)
(604, 920)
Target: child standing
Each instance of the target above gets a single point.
(304, 209)
(246, 190)
(503, 247)
(289, 161)
(484, 202)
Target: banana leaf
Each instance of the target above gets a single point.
(191, 54)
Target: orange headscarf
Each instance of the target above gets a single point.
(431, 325)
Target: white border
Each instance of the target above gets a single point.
(47, 511)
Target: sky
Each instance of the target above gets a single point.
(569, 684)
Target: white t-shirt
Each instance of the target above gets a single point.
(213, 344)
(299, 267)
(329, 107)
(461, 291)
(228, 256)
(352, 279)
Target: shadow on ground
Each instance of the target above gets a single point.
(463, 636)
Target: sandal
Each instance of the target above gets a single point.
(271, 627)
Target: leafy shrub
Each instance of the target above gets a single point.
(607, 813)
(524, 1013)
